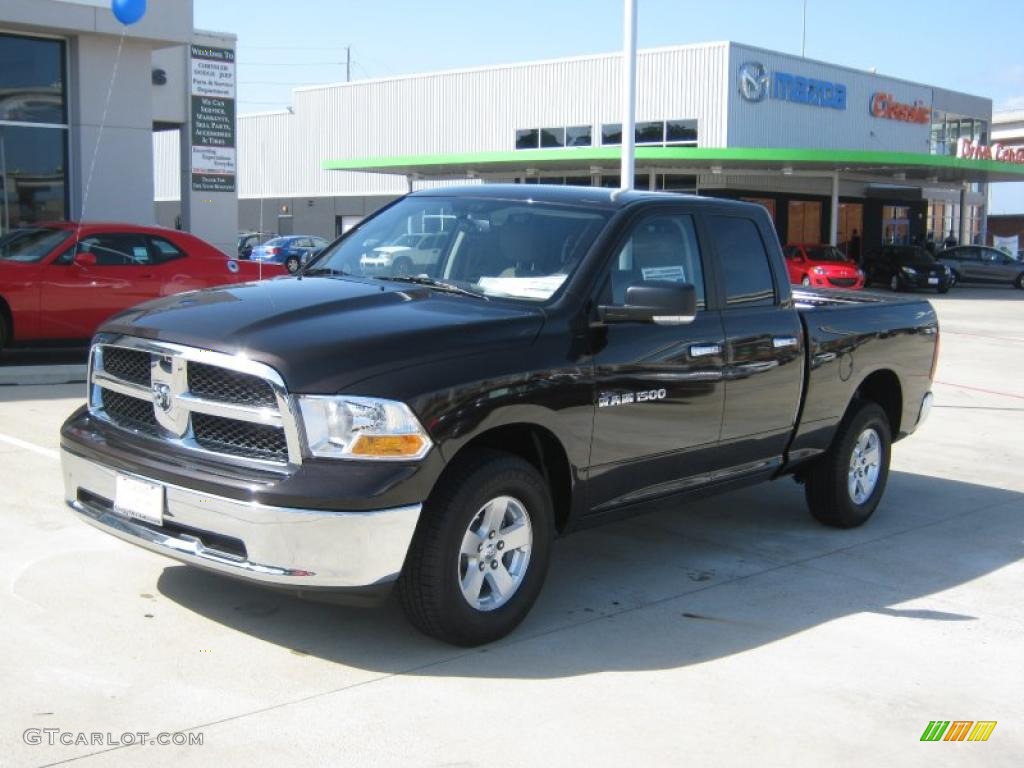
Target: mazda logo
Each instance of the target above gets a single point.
(753, 81)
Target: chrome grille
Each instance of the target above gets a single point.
(214, 404)
(130, 412)
(128, 364)
(239, 438)
(215, 383)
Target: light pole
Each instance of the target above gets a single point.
(628, 94)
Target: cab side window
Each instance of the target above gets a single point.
(744, 261)
(659, 248)
(117, 249)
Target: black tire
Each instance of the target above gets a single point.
(806, 282)
(292, 264)
(429, 587)
(402, 267)
(826, 483)
(945, 288)
(954, 278)
(5, 332)
(1019, 282)
(896, 284)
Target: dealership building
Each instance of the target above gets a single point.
(99, 120)
(826, 149)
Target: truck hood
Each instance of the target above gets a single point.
(324, 334)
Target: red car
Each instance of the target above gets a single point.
(821, 266)
(51, 290)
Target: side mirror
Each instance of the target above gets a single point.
(654, 301)
(85, 259)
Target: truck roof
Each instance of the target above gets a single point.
(602, 197)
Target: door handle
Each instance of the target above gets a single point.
(781, 342)
(705, 350)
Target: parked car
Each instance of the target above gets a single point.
(408, 254)
(51, 289)
(291, 250)
(904, 267)
(982, 264)
(822, 266)
(249, 240)
(582, 357)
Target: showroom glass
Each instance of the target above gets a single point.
(504, 249)
(33, 131)
(662, 248)
(744, 259)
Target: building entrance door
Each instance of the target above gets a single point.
(895, 225)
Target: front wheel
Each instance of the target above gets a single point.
(480, 554)
(292, 264)
(896, 283)
(954, 278)
(806, 282)
(5, 333)
(843, 487)
(1019, 282)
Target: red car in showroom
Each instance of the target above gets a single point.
(821, 266)
(51, 289)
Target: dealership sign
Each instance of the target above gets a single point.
(213, 119)
(755, 84)
(885, 105)
(969, 150)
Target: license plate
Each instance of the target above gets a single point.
(139, 500)
(933, 281)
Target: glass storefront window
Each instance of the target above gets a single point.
(33, 157)
(804, 222)
(850, 230)
(32, 80)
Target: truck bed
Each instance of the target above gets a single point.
(852, 336)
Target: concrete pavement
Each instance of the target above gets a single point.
(735, 631)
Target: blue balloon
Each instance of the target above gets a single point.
(128, 11)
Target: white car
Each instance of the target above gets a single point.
(407, 255)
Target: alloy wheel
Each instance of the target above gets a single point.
(495, 553)
(865, 465)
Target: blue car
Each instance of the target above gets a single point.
(291, 250)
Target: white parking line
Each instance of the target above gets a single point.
(48, 453)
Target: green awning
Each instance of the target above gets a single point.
(912, 166)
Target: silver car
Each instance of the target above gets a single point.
(981, 264)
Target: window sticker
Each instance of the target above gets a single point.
(672, 274)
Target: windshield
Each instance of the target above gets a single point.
(917, 257)
(500, 248)
(31, 245)
(825, 253)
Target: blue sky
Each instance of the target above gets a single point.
(974, 47)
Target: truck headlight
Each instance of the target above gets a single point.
(343, 427)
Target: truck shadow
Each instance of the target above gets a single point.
(677, 587)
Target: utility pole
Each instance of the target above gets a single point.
(348, 63)
(628, 94)
(803, 37)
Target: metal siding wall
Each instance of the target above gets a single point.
(777, 123)
(167, 165)
(280, 154)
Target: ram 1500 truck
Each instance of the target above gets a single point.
(569, 356)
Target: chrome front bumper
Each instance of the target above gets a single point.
(284, 546)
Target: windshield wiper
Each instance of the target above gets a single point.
(324, 271)
(439, 285)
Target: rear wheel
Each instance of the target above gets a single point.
(480, 554)
(844, 486)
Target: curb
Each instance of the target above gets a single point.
(21, 375)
